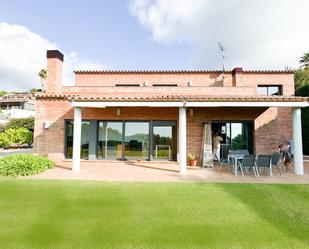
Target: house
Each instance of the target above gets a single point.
(16, 105)
(161, 115)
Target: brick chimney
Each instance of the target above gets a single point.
(54, 71)
(237, 75)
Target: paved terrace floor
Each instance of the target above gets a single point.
(161, 172)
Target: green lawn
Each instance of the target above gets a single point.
(85, 214)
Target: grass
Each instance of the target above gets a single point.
(75, 214)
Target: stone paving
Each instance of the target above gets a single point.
(161, 172)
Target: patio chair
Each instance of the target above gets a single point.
(264, 161)
(275, 160)
(248, 163)
(220, 162)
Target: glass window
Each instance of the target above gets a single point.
(69, 129)
(262, 90)
(269, 90)
(29, 106)
(136, 140)
(239, 136)
(273, 90)
(110, 140)
(164, 143)
(235, 135)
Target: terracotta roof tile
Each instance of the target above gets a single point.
(171, 98)
(179, 71)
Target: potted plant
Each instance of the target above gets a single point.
(192, 159)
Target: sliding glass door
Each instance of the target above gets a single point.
(84, 150)
(110, 140)
(124, 140)
(236, 135)
(164, 142)
(136, 140)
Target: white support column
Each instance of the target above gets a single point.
(77, 138)
(182, 136)
(298, 143)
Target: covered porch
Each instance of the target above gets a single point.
(161, 172)
(183, 104)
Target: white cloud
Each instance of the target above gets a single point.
(256, 33)
(23, 54)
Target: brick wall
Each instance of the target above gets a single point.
(205, 82)
(51, 141)
(268, 123)
(272, 126)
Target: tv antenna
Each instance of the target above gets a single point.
(222, 50)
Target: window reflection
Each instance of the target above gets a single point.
(110, 140)
(136, 140)
(84, 151)
(164, 143)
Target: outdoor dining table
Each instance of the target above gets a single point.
(236, 158)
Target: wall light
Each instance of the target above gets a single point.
(118, 112)
(191, 111)
(46, 124)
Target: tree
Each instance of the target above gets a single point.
(43, 75)
(304, 60)
(301, 77)
(2, 93)
(34, 90)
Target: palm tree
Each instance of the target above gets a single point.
(43, 75)
(304, 60)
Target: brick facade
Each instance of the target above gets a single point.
(271, 125)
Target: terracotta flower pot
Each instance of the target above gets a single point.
(193, 163)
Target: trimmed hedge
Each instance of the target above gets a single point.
(24, 165)
(16, 123)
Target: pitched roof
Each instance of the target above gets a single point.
(179, 71)
(171, 98)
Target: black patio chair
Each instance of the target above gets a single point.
(264, 161)
(248, 163)
(275, 160)
(220, 162)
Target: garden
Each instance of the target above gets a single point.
(16, 134)
(90, 214)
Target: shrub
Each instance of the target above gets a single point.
(16, 123)
(2, 126)
(24, 165)
(4, 140)
(29, 138)
(19, 136)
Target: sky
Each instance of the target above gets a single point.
(148, 34)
